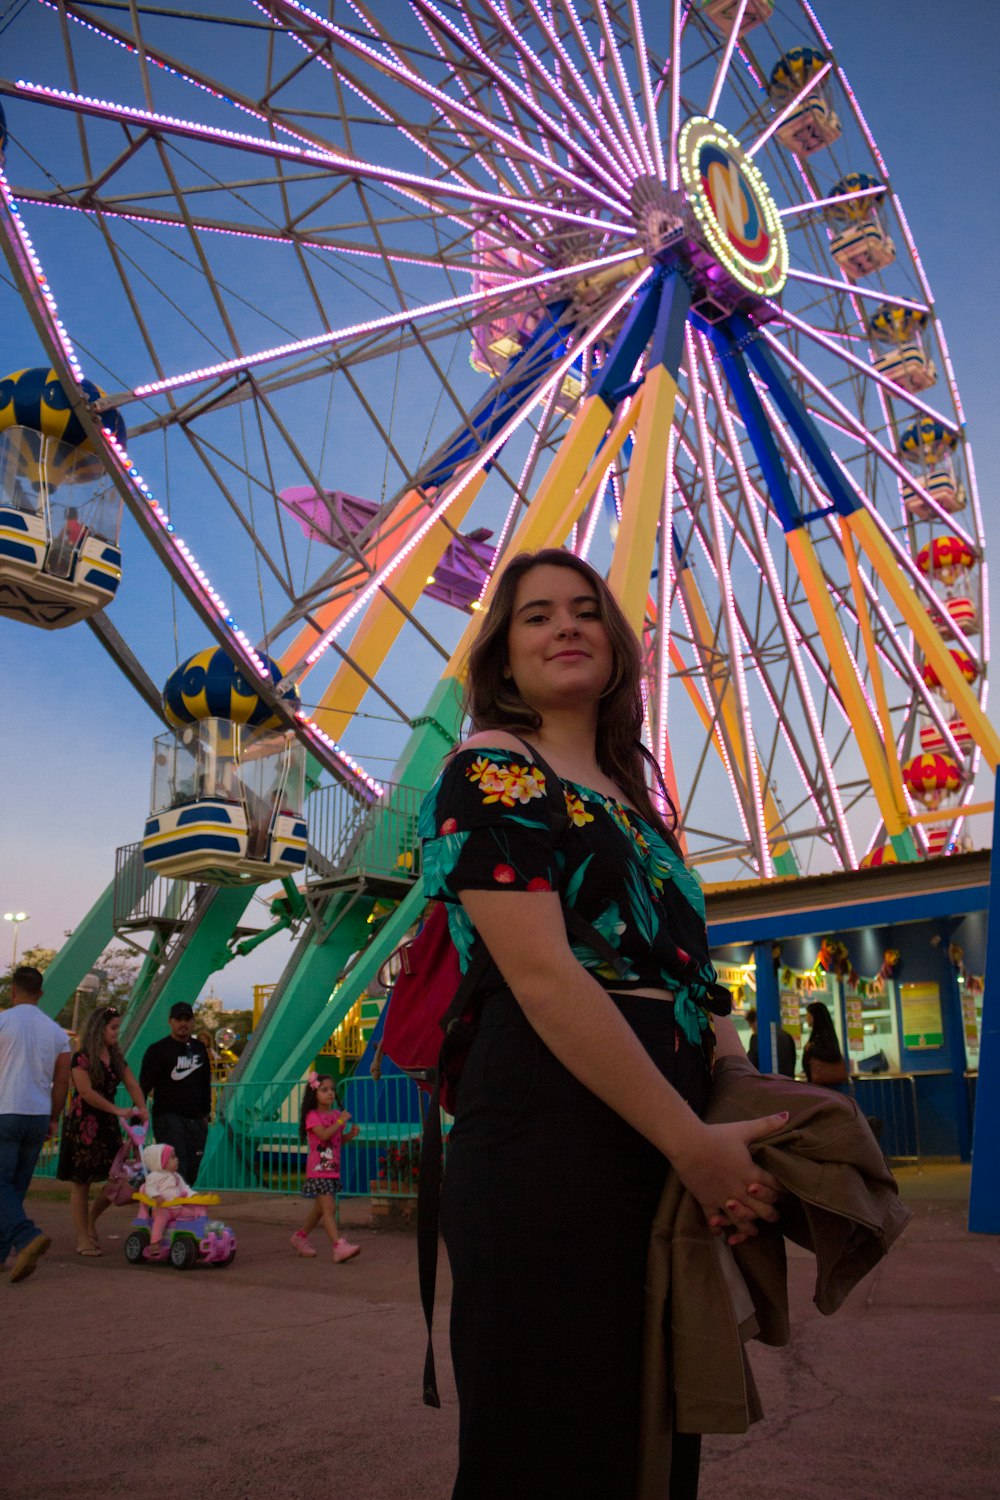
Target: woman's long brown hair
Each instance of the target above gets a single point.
(92, 1042)
(492, 700)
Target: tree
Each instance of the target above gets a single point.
(120, 967)
(39, 958)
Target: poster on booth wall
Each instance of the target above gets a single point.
(791, 1015)
(920, 1004)
(972, 1016)
(854, 1009)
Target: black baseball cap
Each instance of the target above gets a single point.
(182, 1011)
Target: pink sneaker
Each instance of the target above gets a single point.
(343, 1251)
(301, 1244)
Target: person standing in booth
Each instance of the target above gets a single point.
(785, 1061)
(177, 1072)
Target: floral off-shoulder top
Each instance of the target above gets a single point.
(485, 826)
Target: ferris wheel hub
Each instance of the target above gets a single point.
(662, 217)
(739, 252)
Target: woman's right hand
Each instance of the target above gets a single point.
(715, 1165)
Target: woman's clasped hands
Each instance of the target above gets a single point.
(715, 1165)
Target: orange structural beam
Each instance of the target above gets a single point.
(408, 515)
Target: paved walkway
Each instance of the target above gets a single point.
(299, 1380)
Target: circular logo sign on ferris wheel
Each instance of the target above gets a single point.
(734, 209)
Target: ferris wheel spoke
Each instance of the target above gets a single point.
(430, 191)
(614, 150)
(857, 429)
(514, 97)
(756, 507)
(487, 158)
(327, 343)
(799, 466)
(459, 114)
(777, 120)
(596, 74)
(920, 585)
(593, 129)
(795, 273)
(706, 702)
(868, 370)
(727, 56)
(750, 643)
(600, 10)
(646, 86)
(749, 755)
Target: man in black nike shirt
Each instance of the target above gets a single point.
(177, 1072)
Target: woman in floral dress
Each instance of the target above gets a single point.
(585, 1081)
(91, 1133)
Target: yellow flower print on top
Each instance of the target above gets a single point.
(508, 784)
(576, 810)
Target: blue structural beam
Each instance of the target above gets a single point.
(768, 1004)
(546, 345)
(762, 439)
(909, 908)
(790, 404)
(984, 1193)
(636, 333)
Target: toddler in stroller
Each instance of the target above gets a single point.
(164, 1188)
(172, 1222)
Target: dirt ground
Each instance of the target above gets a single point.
(300, 1380)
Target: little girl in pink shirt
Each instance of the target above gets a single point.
(324, 1128)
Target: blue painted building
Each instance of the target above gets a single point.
(904, 948)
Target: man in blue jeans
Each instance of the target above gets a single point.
(34, 1078)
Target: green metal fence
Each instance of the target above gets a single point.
(254, 1143)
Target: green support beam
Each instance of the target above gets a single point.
(88, 941)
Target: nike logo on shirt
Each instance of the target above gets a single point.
(184, 1067)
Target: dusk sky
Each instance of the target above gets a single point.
(77, 749)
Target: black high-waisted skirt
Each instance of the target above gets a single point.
(547, 1205)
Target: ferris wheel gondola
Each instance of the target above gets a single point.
(60, 515)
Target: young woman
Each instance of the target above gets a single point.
(91, 1134)
(822, 1047)
(582, 1088)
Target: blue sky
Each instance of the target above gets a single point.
(77, 750)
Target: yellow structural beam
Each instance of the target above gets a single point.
(866, 732)
(569, 483)
(875, 668)
(949, 814)
(728, 711)
(933, 645)
(383, 619)
(632, 564)
(410, 513)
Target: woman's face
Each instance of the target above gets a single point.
(558, 651)
(111, 1031)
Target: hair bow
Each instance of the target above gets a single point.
(313, 1080)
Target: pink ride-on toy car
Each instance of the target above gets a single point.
(190, 1238)
(186, 1242)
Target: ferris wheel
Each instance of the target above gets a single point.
(382, 294)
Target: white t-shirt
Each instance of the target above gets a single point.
(29, 1045)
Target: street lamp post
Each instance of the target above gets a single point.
(17, 917)
(90, 984)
